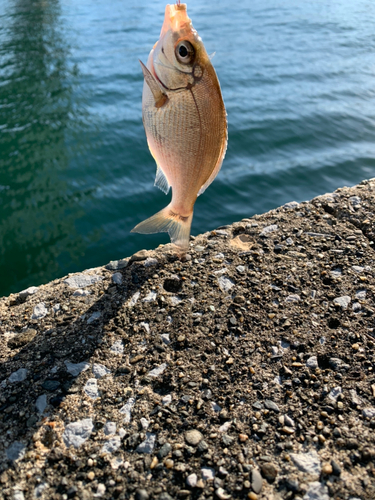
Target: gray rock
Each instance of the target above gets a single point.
(76, 368)
(56, 308)
(127, 408)
(165, 496)
(312, 362)
(307, 462)
(166, 400)
(39, 489)
(114, 265)
(149, 262)
(51, 385)
(141, 494)
(356, 400)
(269, 229)
(41, 403)
(338, 364)
(15, 451)
(91, 388)
(144, 423)
(77, 433)
(39, 311)
(164, 451)
(222, 494)
(82, 280)
(81, 293)
(19, 376)
(368, 412)
(225, 283)
(334, 394)
(270, 405)
(343, 301)
(191, 480)
(29, 291)
(94, 317)
(99, 370)
(165, 338)
(150, 297)
(293, 298)
(256, 481)
(291, 204)
(109, 428)
(117, 278)
(157, 371)
(208, 474)
(147, 446)
(18, 495)
(193, 437)
(316, 491)
(112, 445)
(118, 347)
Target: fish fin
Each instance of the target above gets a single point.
(161, 180)
(217, 167)
(211, 56)
(168, 221)
(160, 97)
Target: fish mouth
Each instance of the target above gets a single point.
(175, 18)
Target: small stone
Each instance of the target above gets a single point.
(117, 278)
(165, 338)
(270, 405)
(293, 298)
(94, 317)
(127, 408)
(19, 376)
(79, 293)
(225, 283)
(165, 496)
(252, 496)
(269, 471)
(172, 284)
(29, 291)
(118, 347)
(222, 494)
(39, 311)
(112, 445)
(191, 480)
(193, 437)
(316, 491)
(342, 302)
(368, 412)
(243, 437)
(327, 469)
(144, 423)
(150, 297)
(114, 265)
(335, 392)
(139, 256)
(256, 481)
(307, 462)
(269, 229)
(336, 469)
(164, 451)
(41, 403)
(227, 440)
(141, 494)
(77, 433)
(16, 451)
(51, 385)
(157, 371)
(109, 428)
(82, 280)
(91, 388)
(76, 368)
(150, 262)
(312, 362)
(208, 474)
(18, 495)
(166, 400)
(148, 444)
(169, 463)
(90, 475)
(225, 426)
(99, 370)
(22, 339)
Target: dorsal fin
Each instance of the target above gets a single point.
(161, 181)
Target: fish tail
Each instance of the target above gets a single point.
(168, 221)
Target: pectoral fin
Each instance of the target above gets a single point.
(160, 97)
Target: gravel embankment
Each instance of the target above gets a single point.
(246, 371)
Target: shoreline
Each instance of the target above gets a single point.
(246, 371)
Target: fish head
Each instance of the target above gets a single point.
(179, 57)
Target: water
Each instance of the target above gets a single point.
(75, 173)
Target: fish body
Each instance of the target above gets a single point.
(185, 122)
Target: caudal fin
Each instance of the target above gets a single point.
(168, 221)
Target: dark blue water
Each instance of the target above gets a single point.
(75, 172)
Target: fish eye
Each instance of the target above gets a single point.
(185, 52)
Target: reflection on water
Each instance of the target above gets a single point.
(75, 172)
(40, 114)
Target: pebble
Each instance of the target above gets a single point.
(270, 405)
(368, 412)
(150, 297)
(117, 278)
(193, 437)
(51, 385)
(343, 301)
(139, 256)
(90, 475)
(127, 408)
(99, 370)
(112, 445)
(215, 407)
(39, 489)
(41, 403)
(149, 262)
(134, 299)
(77, 433)
(165, 338)
(222, 494)
(335, 392)
(18, 495)
(157, 371)
(191, 480)
(166, 400)
(109, 428)
(91, 388)
(293, 298)
(336, 469)
(256, 481)
(118, 347)
(252, 496)
(19, 376)
(225, 283)
(100, 491)
(82, 280)
(358, 269)
(141, 494)
(316, 491)
(94, 317)
(312, 362)
(29, 291)
(147, 446)
(269, 229)
(39, 311)
(114, 265)
(225, 426)
(269, 471)
(208, 474)
(327, 469)
(165, 496)
(144, 423)
(76, 368)
(81, 293)
(164, 451)
(307, 462)
(15, 451)
(338, 364)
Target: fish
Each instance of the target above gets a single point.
(185, 121)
